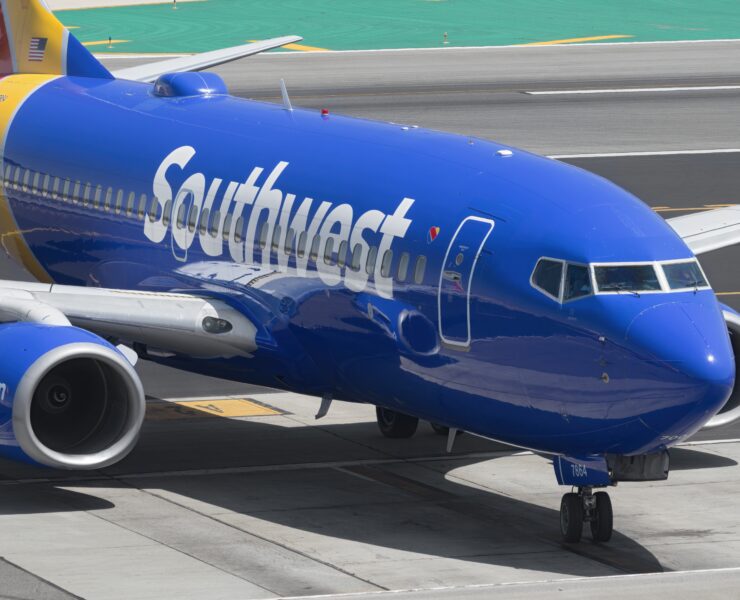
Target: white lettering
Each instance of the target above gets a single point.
(156, 231)
(395, 225)
(330, 273)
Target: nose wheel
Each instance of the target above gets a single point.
(586, 507)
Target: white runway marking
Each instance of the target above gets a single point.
(646, 153)
(696, 88)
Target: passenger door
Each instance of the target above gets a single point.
(456, 280)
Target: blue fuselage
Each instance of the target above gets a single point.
(116, 187)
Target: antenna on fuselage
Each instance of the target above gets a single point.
(286, 100)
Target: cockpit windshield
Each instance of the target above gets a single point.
(626, 278)
(684, 275)
(564, 281)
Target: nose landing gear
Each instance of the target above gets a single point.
(586, 507)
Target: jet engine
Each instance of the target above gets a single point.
(68, 399)
(731, 410)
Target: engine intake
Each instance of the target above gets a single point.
(731, 410)
(75, 401)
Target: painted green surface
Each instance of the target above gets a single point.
(368, 24)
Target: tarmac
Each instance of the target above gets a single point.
(282, 505)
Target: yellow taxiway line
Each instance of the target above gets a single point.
(105, 42)
(594, 38)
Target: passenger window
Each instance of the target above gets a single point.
(263, 235)
(17, 178)
(314, 254)
(403, 266)
(45, 186)
(181, 215)
(215, 222)
(119, 201)
(55, 188)
(203, 221)
(26, 180)
(372, 256)
(193, 217)
(167, 213)
(65, 191)
(87, 194)
(153, 210)
(8, 173)
(276, 238)
(36, 183)
(547, 277)
(342, 254)
(421, 265)
(142, 205)
(302, 240)
(76, 192)
(385, 266)
(239, 231)
(289, 241)
(577, 282)
(227, 227)
(329, 251)
(98, 196)
(108, 199)
(356, 257)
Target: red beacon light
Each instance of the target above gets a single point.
(324, 112)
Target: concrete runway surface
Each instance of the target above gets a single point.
(282, 505)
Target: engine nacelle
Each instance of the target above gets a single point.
(731, 410)
(68, 399)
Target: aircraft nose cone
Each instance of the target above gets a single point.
(690, 341)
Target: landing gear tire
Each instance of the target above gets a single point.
(602, 519)
(571, 517)
(394, 424)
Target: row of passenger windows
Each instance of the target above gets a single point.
(77, 192)
(209, 223)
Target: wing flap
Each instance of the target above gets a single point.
(197, 62)
(709, 230)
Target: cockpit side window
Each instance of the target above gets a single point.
(577, 282)
(548, 276)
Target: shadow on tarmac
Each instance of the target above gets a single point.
(396, 504)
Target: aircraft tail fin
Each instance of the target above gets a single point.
(34, 41)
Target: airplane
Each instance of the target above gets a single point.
(438, 277)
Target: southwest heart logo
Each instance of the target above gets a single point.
(432, 235)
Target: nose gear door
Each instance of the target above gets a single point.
(456, 279)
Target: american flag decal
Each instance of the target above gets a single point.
(37, 49)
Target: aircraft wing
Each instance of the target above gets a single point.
(709, 230)
(198, 62)
(162, 322)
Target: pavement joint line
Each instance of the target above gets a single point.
(38, 577)
(696, 88)
(492, 586)
(272, 542)
(169, 546)
(645, 153)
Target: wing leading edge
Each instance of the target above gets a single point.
(197, 62)
(709, 230)
(167, 322)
